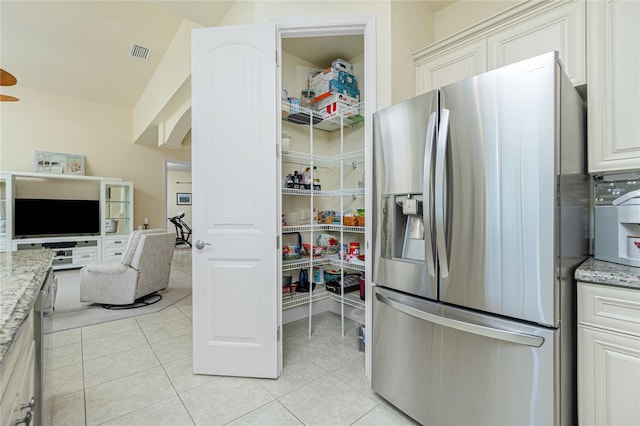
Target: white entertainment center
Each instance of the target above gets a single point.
(100, 233)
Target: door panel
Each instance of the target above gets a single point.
(501, 208)
(442, 375)
(402, 166)
(235, 285)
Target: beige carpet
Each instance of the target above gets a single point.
(70, 313)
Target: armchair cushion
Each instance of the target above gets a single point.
(132, 244)
(107, 268)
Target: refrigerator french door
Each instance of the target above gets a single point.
(480, 219)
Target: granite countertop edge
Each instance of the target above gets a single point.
(21, 276)
(608, 273)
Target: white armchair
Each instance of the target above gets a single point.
(143, 269)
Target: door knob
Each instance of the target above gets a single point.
(26, 419)
(29, 405)
(200, 244)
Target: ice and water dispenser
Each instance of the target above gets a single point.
(404, 227)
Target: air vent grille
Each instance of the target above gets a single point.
(139, 52)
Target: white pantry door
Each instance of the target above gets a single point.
(234, 166)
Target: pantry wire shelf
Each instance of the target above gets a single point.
(351, 299)
(334, 260)
(323, 227)
(304, 262)
(291, 300)
(325, 161)
(335, 193)
(299, 299)
(346, 117)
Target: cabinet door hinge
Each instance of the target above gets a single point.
(278, 242)
(277, 150)
(277, 59)
(278, 334)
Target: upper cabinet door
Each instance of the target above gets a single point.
(613, 39)
(234, 164)
(560, 29)
(457, 63)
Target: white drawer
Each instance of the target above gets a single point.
(612, 308)
(116, 242)
(114, 252)
(84, 255)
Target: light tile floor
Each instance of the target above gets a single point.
(137, 371)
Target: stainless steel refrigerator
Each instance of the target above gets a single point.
(480, 218)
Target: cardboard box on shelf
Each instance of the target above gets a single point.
(341, 64)
(329, 74)
(321, 104)
(333, 87)
(337, 103)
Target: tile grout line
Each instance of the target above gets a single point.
(84, 389)
(186, 409)
(118, 378)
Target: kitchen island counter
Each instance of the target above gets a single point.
(608, 273)
(21, 276)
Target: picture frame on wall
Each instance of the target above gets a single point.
(183, 198)
(58, 163)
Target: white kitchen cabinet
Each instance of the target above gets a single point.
(561, 28)
(17, 374)
(523, 31)
(608, 355)
(613, 42)
(452, 64)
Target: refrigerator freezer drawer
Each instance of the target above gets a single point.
(447, 366)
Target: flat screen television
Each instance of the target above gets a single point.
(38, 217)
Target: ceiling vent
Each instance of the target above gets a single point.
(139, 52)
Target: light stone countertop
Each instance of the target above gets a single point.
(21, 276)
(608, 273)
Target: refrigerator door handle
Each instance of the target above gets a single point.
(493, 333)
(440, 208)
(426, 194)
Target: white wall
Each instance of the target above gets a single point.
(44, 121)
(176, 183)
(274, 11)
(402, 27)
(465, 13)
(172, 78)
(412, 24)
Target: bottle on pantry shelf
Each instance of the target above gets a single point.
(288, 181)
(306, 97)
(296, 179)
(316, 179)
(307, 175)
(354, 248)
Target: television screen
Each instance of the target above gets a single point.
(43, 217)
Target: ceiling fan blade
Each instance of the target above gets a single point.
(6, 78)
(7, 98)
